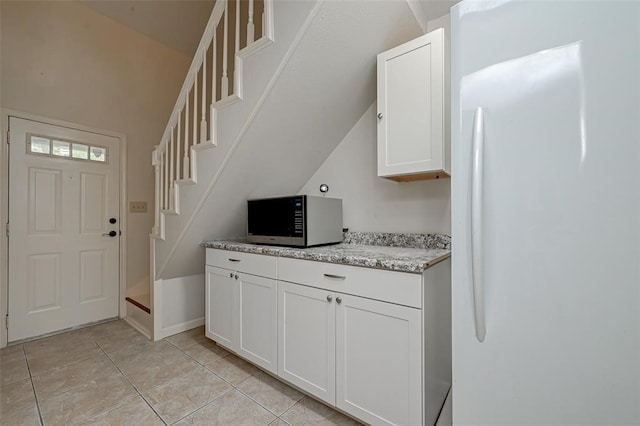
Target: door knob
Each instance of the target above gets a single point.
(380, 116)
(110, 234)
(338, 300)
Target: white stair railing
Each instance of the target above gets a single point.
(174, 158)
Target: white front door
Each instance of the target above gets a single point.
(64, 228)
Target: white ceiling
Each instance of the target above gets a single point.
(176, 23)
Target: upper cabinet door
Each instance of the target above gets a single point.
(411, 110)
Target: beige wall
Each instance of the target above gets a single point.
(62, 60)
(374, 204)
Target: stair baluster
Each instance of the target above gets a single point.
(194, 136)
(225, 53)
(214, 85)
(250, 26)
(203, 118)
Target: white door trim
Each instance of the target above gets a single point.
(4, 211)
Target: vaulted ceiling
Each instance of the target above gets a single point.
(179, 23)
(176, 23)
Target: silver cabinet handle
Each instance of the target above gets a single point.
(230, 274)
(338, 300)
(337, 277)
(329, 298)
(236, 276)
(477, 176)
(380, 115)
(234, 260)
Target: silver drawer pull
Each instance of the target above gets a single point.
(338, 277)
(234, 260)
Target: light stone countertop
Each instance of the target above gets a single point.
(423, 252)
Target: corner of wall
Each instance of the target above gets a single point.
(418, 12)
(4, 181)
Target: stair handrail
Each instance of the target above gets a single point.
(196, 63)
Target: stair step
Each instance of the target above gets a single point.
(142, 301)
(187, 181)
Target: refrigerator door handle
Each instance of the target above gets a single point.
(477, 174)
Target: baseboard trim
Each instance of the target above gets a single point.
(179, 328)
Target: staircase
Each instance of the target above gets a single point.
(192, 126)
(252, 122)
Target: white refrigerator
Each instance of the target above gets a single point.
(546, 212)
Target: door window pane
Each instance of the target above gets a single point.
(61, 148)
(98, 154)
(39, 145)
(80, 151)
(56, 148)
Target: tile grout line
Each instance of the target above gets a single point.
(200, 408)
(266, 408)
(212, 372)
(234, 386)
(33, 388)
(204, 365)
(130, 382)
(189, 356)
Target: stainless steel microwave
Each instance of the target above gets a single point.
(299, 220)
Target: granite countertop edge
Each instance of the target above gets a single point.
(391, 257)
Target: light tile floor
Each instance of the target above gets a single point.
(110, 374)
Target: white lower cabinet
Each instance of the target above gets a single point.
(378, 360)
(360, 355)
(241, 314)
(220, 289)
(306, 339)
(375, 344)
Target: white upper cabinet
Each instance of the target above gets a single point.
(413, 141)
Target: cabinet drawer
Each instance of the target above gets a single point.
(249, 263)
(395, 287)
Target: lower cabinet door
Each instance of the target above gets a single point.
(258, 318)
(306, 339)
(378, 361)
(220, 288)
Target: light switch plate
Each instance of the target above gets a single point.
(137, 206)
